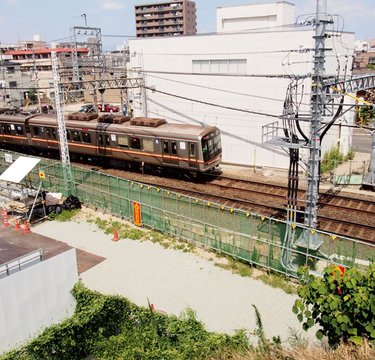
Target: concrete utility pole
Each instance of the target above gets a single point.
(36, 82)
(3, 91)
(309, 238)
(63, 142)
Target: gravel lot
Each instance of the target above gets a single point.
(173, 281)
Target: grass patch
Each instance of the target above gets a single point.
(127, 231)
(236, 267)
(277, 281)
(65, 215)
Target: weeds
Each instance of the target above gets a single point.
(279, 282)
(126, 231)
(65, 215)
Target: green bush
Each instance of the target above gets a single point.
(342, 304)
(111, 327)
(331, 158)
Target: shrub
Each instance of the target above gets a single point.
(331, 158)
(343, 304)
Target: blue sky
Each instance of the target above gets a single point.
(52, 19)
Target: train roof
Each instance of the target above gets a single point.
(164, 129)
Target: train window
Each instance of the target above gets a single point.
(19, 130)
(135, 142)
(68, 135)
(35, 131)
(148, 145)
(165, 147)
(174, 147)
(123, 141)
(51, 133)
(86, 137)
(100, 139)
(6, 129)
(107, 141)
(76, 136)
(192, 149)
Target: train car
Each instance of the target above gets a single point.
(150, 142)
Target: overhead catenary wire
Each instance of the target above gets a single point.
(260, 113)
(275, 76)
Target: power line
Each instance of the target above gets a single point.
(273, 76)
(244, 110)
(216, 89)
(233, 53)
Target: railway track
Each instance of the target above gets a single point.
(346, 215)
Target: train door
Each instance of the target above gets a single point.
(193, 149)
(104, 144)
(51, 135)
(170, 155)
(28, 133)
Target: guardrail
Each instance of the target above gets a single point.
(21, 263)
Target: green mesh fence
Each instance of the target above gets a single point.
(250, 237)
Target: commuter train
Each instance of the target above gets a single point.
(119, 140)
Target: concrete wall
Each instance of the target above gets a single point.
(254, 16)
(35, 298)
(170, 67)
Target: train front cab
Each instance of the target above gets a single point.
(211, 150)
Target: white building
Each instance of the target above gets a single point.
(240, 72)
(254, 16)
(361, 46)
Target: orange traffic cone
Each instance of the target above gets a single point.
(115, 236)
(5, 215)
(17, 225)
(26, 227)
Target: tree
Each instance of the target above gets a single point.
(341, 302)
(32, 95)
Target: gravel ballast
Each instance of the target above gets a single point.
(173, 281)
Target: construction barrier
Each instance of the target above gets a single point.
(247, 236)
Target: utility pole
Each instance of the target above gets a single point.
(309, 238)
(63, 142)
(36, 82)
(3, 90)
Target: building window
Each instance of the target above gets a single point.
(12, 84)
(227, 66)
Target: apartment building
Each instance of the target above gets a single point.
(166, 18)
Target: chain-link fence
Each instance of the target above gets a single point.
(253, 238)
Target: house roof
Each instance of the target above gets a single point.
(45, 51)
